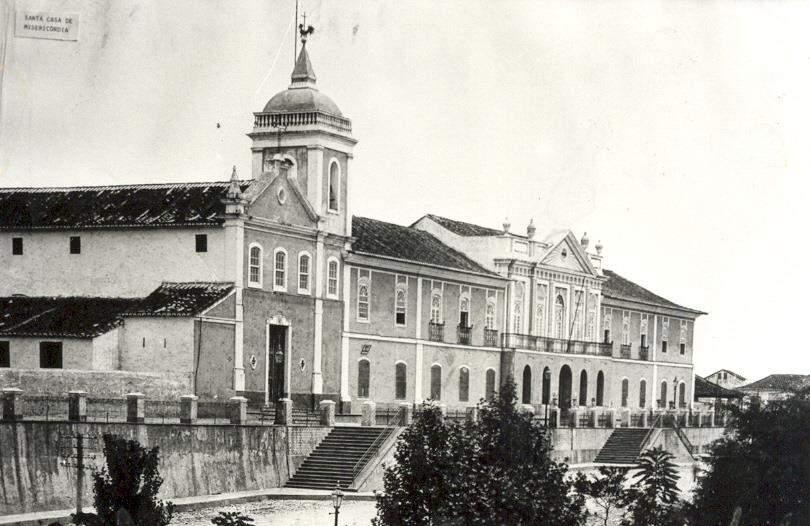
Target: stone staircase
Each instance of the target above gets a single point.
(335, 458)
(623, 446)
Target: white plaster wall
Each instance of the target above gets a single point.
(157, 345)
(483, 249)
(105, 351)
(76, 353)
(122, 262)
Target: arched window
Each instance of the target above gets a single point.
(363, 374)
(436, 382)
(600, 388)
(464, 312)
(255, 266)
(363, 292)
(280, 270)
(489, 320)
(541, 300)
(332, 270)
(625, 391)
(463, 385)
(527, 385)
(400, 380)
(642, 394)
(663, 401)
(564, 390)
(304, 265)
(546, 385)
(436, 307)
(334, 186)
(559, 317)
(489, 388)
(583, 388)
(682, 395)
(400, 306)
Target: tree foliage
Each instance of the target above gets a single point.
(130, 480)
(652, 499)
(762, 466)
(606, 491)
(494, 471)
(232, 518)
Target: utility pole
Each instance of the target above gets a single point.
(74, 448)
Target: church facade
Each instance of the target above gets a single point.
(269, 287)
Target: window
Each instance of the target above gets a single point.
(664, 333)
(200, 242)
(363, 374)
(50, 355)
(600, 389)
(5, 354)
(489, 387)
(664, 346)
(583, 388)
(464, 312)
(517, 308)
(303, 273)
(642, 394)
(332, 278)
(546, 386)
(436, 382)
(436, 307)
(663, 401)
(540, 310)
(255, 266)
(518, 315)
(625, 391)
(401, 306)
(17, 246)
(607, 320)
(363, 287)
(400, 380)
(559, 316)
(489, 320)
(334, 186)
(76, 245)
(280, 270)
(683, 349)
(682, 395)
(526, 397)
(463, 385)
(593, 307)
(625, 328)
(579, 318)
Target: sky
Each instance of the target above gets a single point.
(674, 132)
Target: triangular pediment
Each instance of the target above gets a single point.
(568, 254)
(280, 199)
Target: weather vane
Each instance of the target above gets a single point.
(305, 30)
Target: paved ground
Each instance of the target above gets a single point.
(287, 513)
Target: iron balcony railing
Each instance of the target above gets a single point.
(490, 338)
(624, 350)
(555, 345)
(436, 331)
(644, 353)
(464, 335)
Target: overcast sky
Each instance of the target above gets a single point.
(676, 133)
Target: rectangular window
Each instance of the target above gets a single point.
(625, 328)
(363, 295)
(280, 271)
(683, 349)
(5, 354)
(201, 242)
(607, 336)
(332, 279)
(17, 246)
(303, 274)
(401, 305)
(75, 245)
(643, 340)
(664, 346)
(50, 355)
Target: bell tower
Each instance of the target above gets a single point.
(308, 129)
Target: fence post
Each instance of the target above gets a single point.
(12, 404)
(238, 410)
(77, 406)
(575, 417)
(405, 414)
(327, 408)
(594, 417)
(611, 417)
(284, 412)
(188, 409)
(643, 420)
(369, 413)
(136, 405)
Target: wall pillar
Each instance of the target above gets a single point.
(327, 409)
(238, 410)
(12, 404)
(405, 414)
(136, 407)
(188, 409)
(77, 406)
(369, 413)
(284, 412)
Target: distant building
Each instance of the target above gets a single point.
(713, 396)
(776, 387)
(726, 378)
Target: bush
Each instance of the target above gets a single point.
(232, 518)
(495, 471)
(130, 481)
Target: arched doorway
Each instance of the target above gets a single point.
(600, 389)
(527, 385)
(583, 388)
(546, 385)
(565, 387)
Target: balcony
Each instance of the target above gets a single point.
(624, 351)
(555, 345)
(436, 332)
(300, 120)
(464, 335)
(490, 338)
(644, 353)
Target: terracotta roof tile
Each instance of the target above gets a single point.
(77, 317)
(621, 288)
(707, 389)
(464, 229)
(779, 382)
(180, 299)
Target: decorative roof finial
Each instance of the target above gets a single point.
(530, 230)
(585, 241)
(599, 247)
(303, 75)
(305, 30)
(234, 191)
(506, 225)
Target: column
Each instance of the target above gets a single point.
(136, 405)
(327, 408)
(238, 410)
(420, 349)
(317, 378)
(77, 406)
(345, 397)
(188, 409)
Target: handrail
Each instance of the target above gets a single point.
(382, 437)
(652, 428)
(684, 439)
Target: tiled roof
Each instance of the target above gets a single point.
(727, 371)
(387, 239)
(464, 229)
(779, 382)
(707, 389)
(180, 299)
(144, 205)
(621, 288)
(77, 317)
